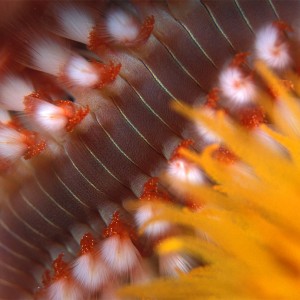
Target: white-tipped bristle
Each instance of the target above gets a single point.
(63, 289)
(50, 117)
(13, 89)
(185, 171)
(205, 133)
(121, 26)
(268, 141)
(48, 56)
(270, 49)
(120, 254)
(289, 117)
(76, 23)
(236, 87)
(4, 116)
(80, 72)
(90, 271)
(156, 229)
(11, 143)
(172, 264)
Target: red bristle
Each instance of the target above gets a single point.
(185, 144)
(213, 98)
(87, 243)
(96, 44)
(37, 95)
(252, 117)
(283, 26)
(60, 268)
(146, 30)
(100, 40)
(30, 101)
(73, 113)
(108, 72)
(46, 278)
(224, 155)
(152, 191)
(34, 144)
(239, 59)
(118, 227)
(192, 205)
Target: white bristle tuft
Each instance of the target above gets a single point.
(145, 213)
(268, 141)
(122, 27)
(90, 271)
(270, 49)
(172, 264)
(80, 72)
(64, 289)
(185, 171)
(4, 116)
(288, 116)
(76, 23)
(11, 143)
(206, 134)
(120, 254)
(13, 89)
(50, 117)
(49, 56)
(236, 87)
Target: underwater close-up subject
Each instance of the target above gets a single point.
(149, 149)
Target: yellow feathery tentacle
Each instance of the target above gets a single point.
(250, 213)
(287, 102)
(291, 144)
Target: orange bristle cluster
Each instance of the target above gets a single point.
(152, 191)
(117, 227)
(87, 243)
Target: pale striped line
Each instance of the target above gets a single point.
(150, 108)
(37, 211)
(77, 169)
(17, 237)
(244, 15)
(178, 62)
(23, 221)
(219, 27)
(274, 9)
(4, 282)
(198, 44)
(115, 144)
(13, 269)
(100, 163)
(159, 82)
(70, 191)
(16, 254)
(52, 199)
